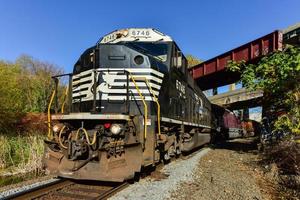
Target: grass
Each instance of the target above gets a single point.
(20, 154)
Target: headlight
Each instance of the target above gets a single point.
(138, 59)
(116, 129)
(56, 128)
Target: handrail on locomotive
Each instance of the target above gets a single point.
(54, 96)
(154, 97)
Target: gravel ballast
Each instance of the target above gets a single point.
(5, 194)
(178, 171)
(226, 172)
(229, 171)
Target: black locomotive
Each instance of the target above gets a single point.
(132, 103)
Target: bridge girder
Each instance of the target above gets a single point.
(238, 99)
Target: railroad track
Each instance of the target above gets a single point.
(63, 189)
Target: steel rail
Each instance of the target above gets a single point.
(55, 188)
(112, 191)
(40, 190)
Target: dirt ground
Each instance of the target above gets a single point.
(229, 171)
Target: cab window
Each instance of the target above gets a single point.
(178, 59)
(157, 50)
(86, 60)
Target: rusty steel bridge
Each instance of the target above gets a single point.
(213, 73)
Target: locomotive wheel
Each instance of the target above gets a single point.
(167, 156)
(178, 152)
(178, 146)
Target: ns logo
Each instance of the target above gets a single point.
(104, 83)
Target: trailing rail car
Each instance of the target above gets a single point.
(132, 104)
(227, 123)
(229, 126)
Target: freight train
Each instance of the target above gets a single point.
(229, 126)
(131, 104)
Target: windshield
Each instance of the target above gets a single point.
(157, 50)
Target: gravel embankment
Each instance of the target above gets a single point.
(150, 188)
(225, 173)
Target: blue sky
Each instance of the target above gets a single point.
(58, 31)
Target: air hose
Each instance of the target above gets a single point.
(87, 136)
(59, 138)
(76, 137)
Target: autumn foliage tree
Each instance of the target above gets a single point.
(11, 98)
(192, 60)
(25, 86)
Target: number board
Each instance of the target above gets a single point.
(133, 34)
(140, 33)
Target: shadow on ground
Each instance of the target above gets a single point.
(242, 145)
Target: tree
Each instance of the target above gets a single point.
(192, 60)
(11, 98)
(37, 82)
(25, 86)
(278, 75)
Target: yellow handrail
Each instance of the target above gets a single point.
(145, 105)
(49, 114)
(59, 137)
(157, 103)
(64, 102)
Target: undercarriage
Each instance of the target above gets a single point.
(115, 150)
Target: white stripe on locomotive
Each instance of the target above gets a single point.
(109, 77)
